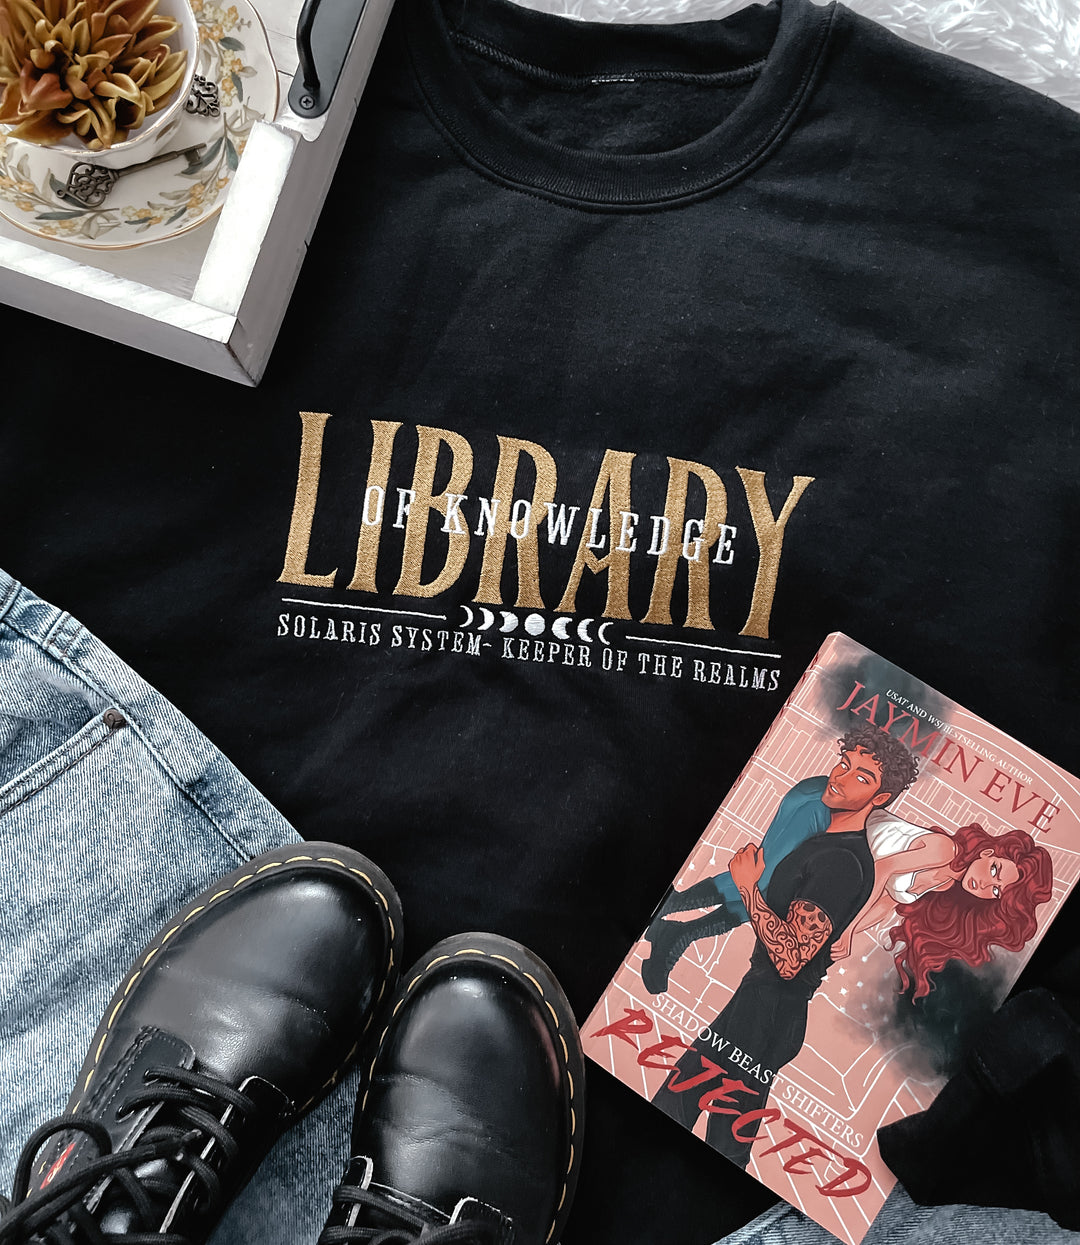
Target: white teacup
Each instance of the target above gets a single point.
(156, 131)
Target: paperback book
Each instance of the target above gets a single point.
(860, 903)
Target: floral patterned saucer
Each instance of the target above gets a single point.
(153, 204)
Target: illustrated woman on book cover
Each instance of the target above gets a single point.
(957, 896)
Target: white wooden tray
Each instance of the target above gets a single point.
(212, 298)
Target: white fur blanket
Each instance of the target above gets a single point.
(1036, 42)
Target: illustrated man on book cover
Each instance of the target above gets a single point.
(814, 892)
(805, 811)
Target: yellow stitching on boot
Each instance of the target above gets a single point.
(271, 864)
(293, 859)
(558, 1027)
(193, 912)
(332, 860)
(247, 877)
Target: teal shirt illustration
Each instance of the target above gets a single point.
(800, 816)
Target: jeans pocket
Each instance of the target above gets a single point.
(35, 778)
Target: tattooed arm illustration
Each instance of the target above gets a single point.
(791, 942)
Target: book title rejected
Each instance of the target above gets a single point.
(862, 900)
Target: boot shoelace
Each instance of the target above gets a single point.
(56, 1214)
(404, 1227)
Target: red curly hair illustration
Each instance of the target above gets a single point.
(951, 924)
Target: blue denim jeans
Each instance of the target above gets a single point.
(901, 1222)
(105, 834)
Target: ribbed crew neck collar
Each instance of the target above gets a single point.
(781, 76)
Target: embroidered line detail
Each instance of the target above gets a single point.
(712, 648)
(371, 609)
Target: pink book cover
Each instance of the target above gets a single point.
(861, 901)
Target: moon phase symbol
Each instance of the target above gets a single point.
(509, 621)
(468, 616)
(600, 634)
(488, 617)
(535, 624)
(558, 628)
(583, 630)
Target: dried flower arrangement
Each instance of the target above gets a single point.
(93, 68)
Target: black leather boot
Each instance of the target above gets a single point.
(471, 1128)
(670, 939)
(238, 1017)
